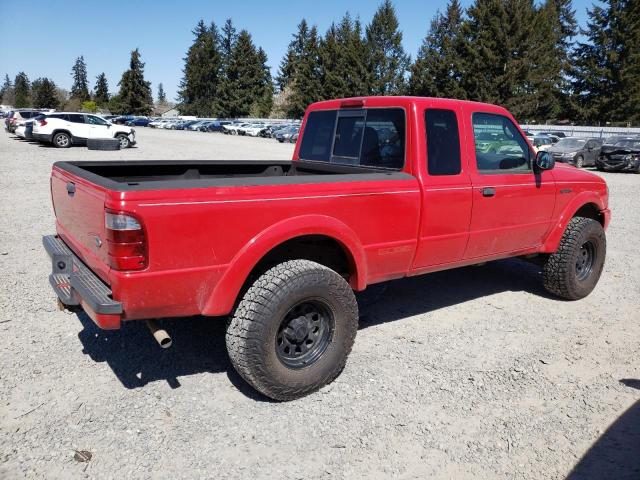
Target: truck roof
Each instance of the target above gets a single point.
(394, 100)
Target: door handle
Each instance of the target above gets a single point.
(488, 192)
(71, 188)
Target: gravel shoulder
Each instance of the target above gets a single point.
(471, 373)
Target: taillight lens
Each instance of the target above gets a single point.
(127, 246)
(42, 122)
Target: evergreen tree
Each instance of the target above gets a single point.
(629, 108)
(438, 69)
(101, 90)
(306, 85)
(262, 108)
(387, 60)
(224, 106)
(598, 87)
(343, 67)
(247, 75)
(44, 93)
(135, 93)
(22, 91)
(199, 86)
(80, 87)
(292, 57)
(162, 97)
(6, 87)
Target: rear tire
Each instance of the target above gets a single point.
(61, 140)
(573, 271)
(293, 330)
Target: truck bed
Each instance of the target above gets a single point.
(159, 175)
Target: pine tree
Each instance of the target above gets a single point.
(597, 84)
(203, 64)
(354, 57)
(224, 106)
(629, 109)
(292, 57)
(263, 106)
(101, 90)
(22, 91)
(388, 62)
(6, 87)
(332, 74)
(162, 97)
(80, 87)
(247, 75)
(438, 69)
(306, 85)
(135, 93)
(44, 93)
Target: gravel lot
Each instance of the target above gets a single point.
(472, 373)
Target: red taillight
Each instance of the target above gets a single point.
(126, 243)
(42, 122)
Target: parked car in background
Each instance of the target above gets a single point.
(15, 116)
(620, 154)
(64, 129)
(210, 126)
(285, 134)
(138, 122)
(541, 142)
(578, 151)
(234, 128)
(553, 133)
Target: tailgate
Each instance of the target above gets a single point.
(79, 209)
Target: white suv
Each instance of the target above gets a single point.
(64, 129)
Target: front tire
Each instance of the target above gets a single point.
(293, 330)
(580, 161)
(573, 271)
(61, 140)
(124, 141)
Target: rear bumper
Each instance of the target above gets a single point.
(76, 285)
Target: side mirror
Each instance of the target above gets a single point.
(544, 160)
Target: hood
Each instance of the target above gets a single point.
(608, 149)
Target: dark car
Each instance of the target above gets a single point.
(622, 155)
(138, 122)
(554, 134)
(123, 119)
(212, 126)
(578, 151)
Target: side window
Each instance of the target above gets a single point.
(499, 146)
(316, 141)
(443, 142)
(95, 120)
(76, 118)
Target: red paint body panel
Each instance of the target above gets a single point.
(204, 242)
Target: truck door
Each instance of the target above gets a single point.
(446, 188)
(512, 204)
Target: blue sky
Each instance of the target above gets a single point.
(44, 38)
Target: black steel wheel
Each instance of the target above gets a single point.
(293, 329)
(305, 333)
(573, 271)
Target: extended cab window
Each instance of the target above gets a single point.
(443, 142)
(499, 146)
(373, 137)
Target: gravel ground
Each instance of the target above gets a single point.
(472, 373)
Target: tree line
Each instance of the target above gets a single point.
(531, 57)
(134, 94)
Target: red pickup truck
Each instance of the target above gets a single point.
(379, 188)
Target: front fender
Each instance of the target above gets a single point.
(224, 295)
(555, 235)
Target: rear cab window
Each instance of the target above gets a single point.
(373, 137)
(443, 142)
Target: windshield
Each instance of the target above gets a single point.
(571, 143)
(629, 143)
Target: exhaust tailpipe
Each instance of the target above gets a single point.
(160, 334)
